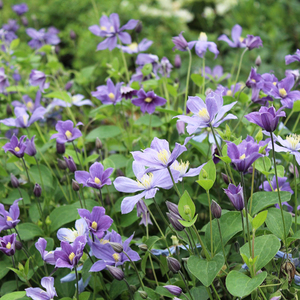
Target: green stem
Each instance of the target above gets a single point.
(187, 80)
(262, 293)
(285, 121)
(166, 91)
(16, 276)
(175, 186)
(79, 161)
(239, 68)
(201, 243)
(187, 287)
(240, 119)
(210, 224)
(129, 289)
(209, 293)
(125, 63)
(243, 224)
(23, 202)
(81, 200)
(221, 239)
(154, 274)
(38, 165)
(296, 198)
(26, 169)
(215, 291)
(252, 187)
(77, 288)
(296, 123)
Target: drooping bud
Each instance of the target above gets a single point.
(173, 264)
(60, 148)
(24, 21)
(68, 85)
(14, 181)
(98, 143)
(117, 247)
(173, 289)
(18, 245)
(138, 27)
(216, 210)
(143, 247)
(8, 110)
(62, 164)
(48, 221)
(143, 294)
(37, 191)
(75, 185)
(119, 173)
(177, 61)
(172, 207)
(174, 221)
(70, 163)
(116, 272)
(1, 4)
(258, 61)
(225, 178)
(133, 288)
(72, 35)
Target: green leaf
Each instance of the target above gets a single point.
(60, 95)
(262, 200)
(5, 264)
(28, 231)
(265, 247)
(263, 164)
(296, 106)
(14, 194)
(147, 69)
(119, 160)
(207, 175)
(13, 296)
(145, 120)
(84, 296)
(128, 219)
(296, 236)
(188, 223)
(14, 44)
(259, 219)
(240, 285)
(205, 271)
(172, 90)
(199, 292)
(45, 173)
(186, 207)
(275, 225)
(197, 79)
(103, 132)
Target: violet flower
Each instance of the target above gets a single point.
(41, 37)
(282, 183)
(148, 101)
(253, 42)
(110, 93)
(47, 256)
(136, 48)
(3, 81)
(110, 29)
(69, 235)
(235, 195)
(237, 40)
(39, 294)
(165, 67)
(202, 45)
(182, 168)
(38, 78)
(206, 114)
(243, 155)
(27, 103)
(30, 147)
(285, 203)
(108, 256)
(181, 44)
(215, 74)
(70, 254)
(225, 91)
(12, 25)
(142, 210)
(20, 9)
(147, 184)
(173, 289)
(128, 92)
(266, 118)
(16, 147)
(96, 178)
(97, 222)
(66, 132)
(8, 244)
(291, 58)
(70, 163)
(77, 100)
(9, 219)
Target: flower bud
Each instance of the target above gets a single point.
(75, 185)
(37, 191)
(98, 143)
(61, 164)
(172, 207)
(173, 264)
(116, 272)
(8, 110)
(72, 35)
(138, 27)
(225, 178)
(24, 21)
(177, 61)
(143, 247)
(143, 294)
(48, 221)
(14, 181)
(117, 247)
(18, 245)
(204, 174)
(258, 61)
(70, 163)
(119, 173)
(60, 148)
(174, 221)
(175, 241)
(68, 85)
(187, 210)
(1, 4)
(216, 210)
(133, 288)
(173, 289)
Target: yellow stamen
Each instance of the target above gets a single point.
(94, 225)
(8, 218)
(146, 181)
(71, 257)
(97, 180)
(68, 134)
(17, 149)
(203, 114)
(203, 37)
(8, 245)
(163, 156)
(274, 83)
(116, 257)
(181, 167)
(103, 28)
(229, 93)
(102, 241)
(243, 156)
(282, 92)
(293, 140)
(241, 39)
(29, 104)
(253, 80)
(25, 120)
(133, 46)
(148, 100)
(111, 96)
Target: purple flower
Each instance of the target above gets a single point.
(41, 37)
(202, 45)
(237, 40)
(8, 244)
(16, 147)
(235, 195)
(48, 257)
(182, 168)
(96, 178)
(177, 61)
(30, 147)
(66, 132)
(289, 207)
(173, 289)
(148, 101)
(142, 210)
(224, 91)
(253, 42)
(70, 163)
(12, 25)
(165, 67)
(147, 184)
(9, 219)
(206, 114)
(110, 93)
(110, 29)
(243, 155)
(77, 100)
(216, 73)
(39, 294)
(68, 235)
(136, 48)
(291, 58)
(96, 221)
(266, 118)
(38, 78)
(282, 183)
(128, 92)
(28, 103)
(181, 44)
(70, 254)
(3, 81)
(108, 256)
(20, 9)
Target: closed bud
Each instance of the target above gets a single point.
(62, 164)
(174, 221)
(119, 173)
(225, 178)
(14, 181)
(116, 272)
(70, 163)
(177, 61)
(98, 143)
(187, 210)
(75, 185)
(259, 136)
(216, 210)
(21, 267)
(68, 85)
(133, 288)
(173, 264)
(175, 241)
(258, 61)
(48, 221)
(18, 245)
(143, 294)
(37, 191)
(173, 289)
(138, 27)
(172, 207)
(60, 148)
(204, 174)
(24, 21)
(117, 247)
(8, 110)
(143, 247)
(1, 4)
(40, 223)
(72, 35)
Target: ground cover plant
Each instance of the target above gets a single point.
(146, 187)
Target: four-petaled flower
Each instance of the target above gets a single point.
(66, 132)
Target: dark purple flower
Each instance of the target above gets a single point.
(96, 221)
(110, 93)
(48, 257)
(289, 207)
(266, 118)
(16, 147)
(282, 183)
(256, 82)
(12, 25)
(173, 289)
(38, 78)
(136, 48)
(37, 190)
(41, 37)
(24, 21)
(70, 163)
(30, 147)
(148, 101)
(8, 244)
(39, 294)
(96, 178)
(128, 92)
(70, 254)
(20, 9)
(181, 43)
(291, 58)
(9, 219)
(253, 42)
(235, 195)
(66, 132)
(237, 40)
(243, 155)
(110, 29)
(202, 45)
(3, 81)
(142, 210)
(165, 67)
(60, 148)
(216, 210)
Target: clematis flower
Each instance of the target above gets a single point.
(148, 101)
(235, 195)
(9, 219)
(243, 155)
(66, 132)
(206, 114)
(110, 93)
(225, 91)
(97, 222)
(4, 83)
(48, 257)
(20, 9)
(136, 48)
(108, 256)
(70, 163)
(202, 45)
(110, 29)
(181, 44)
(142, 210)
(15, 146)
(28, 103)
(96, 178)
(173, 289)
(38, 78)
(182, 168)
(42, 37)
(8, 244)
(291, 58)
(237, 40)
(70, 254)
(77, 100)
(128, 92)
(266, 118)
(12, 25)
(147, 184)
(282, 182)
(30, 147)
(165, 67)
(69, 235)
(215, 74)
(253, 42)
(39, 294)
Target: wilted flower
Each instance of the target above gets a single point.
(20, 9)
(16, 147)
(38, 78)
(253, 42)
(39, 294)
(237, 40)
(235, 195)
(66, 132)
(8, 244)
(202, 45)
(9, 219)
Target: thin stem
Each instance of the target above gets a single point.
(77, 288)
(129, 289)
(240, 119)
(262, 293)
(38, 165)
(202, 244)
(16, 276)
(23, 202)
(125, 64)
(215, 291)
(221, 239)
(243, 224)
(239, 68)
(191, 240)
(210, 224)
(175, 186)
(296, 123)
(166, 91)
(285, 121)
(26, 169)
(152, 267)
(81, 200)
(77, 155)
(150, 127)
(203, 74)
(209, 293)
(296, 198)
(187, 79)
(252, 187)
(187, 287)
(39, 207)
